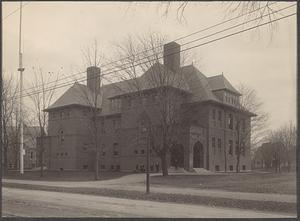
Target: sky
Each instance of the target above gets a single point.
(55, 33)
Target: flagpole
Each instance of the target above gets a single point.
(21, 69)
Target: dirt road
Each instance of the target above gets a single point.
(34, 203)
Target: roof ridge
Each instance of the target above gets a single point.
(216, 76)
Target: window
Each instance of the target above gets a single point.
(66, 154)
(213, 144)
(84, 112)
(143, 151)
(152, 167)
(219, 143)
(231, 168)
(61, 137)
(57, 154)
(61, 154)
(230, 147)
(135, 151)
(219, 115)
(230, 121)
(129, 102)
(118, 167)
(115, 149)
(243, 148)
(217, 168)
(102, 166)
(112, 167)
(62, 115)
(103, 153)
(236, 148)
(144, 101)
(243, 124)
(114, 124)
(244, 167)
(213, 114)
(84, 167)
(31, 154)
(102, 126)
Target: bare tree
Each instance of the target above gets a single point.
(143, 55)
(246, 130)
(286, 135)
(42, 100)
(91, 95)
(249, 9)
(9, 106)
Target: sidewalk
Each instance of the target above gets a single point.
(136, 182)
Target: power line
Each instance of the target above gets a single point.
(180, 38)
(13, 12)
(201, 38)
(186, 49)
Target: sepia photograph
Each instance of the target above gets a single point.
(149, 109)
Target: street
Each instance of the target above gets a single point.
(34, 203)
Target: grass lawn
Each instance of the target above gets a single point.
(63, 175)
(284, 183)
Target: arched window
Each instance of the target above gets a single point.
(61, 136)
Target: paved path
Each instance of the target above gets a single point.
(34, 203)
(136, 182)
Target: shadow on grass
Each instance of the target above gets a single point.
(283, 183)
(63, 175)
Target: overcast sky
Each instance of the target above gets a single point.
(54, 34)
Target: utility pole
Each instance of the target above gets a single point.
(148, 165)
(21, 69)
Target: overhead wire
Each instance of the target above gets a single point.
(103, 74)
(177, 39)
(13, 12)
(186, 49)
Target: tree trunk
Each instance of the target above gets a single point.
(5, 158)
(238, 163)
(164, 164)
(97, 164)
(42, 155)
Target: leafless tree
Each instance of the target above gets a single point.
(286, 135)
(9, 106)
(42, 99)
(143, 55)
(92, 98)
(253, 130)
(248, 9)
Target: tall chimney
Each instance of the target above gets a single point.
(172, 56)
(93, 78)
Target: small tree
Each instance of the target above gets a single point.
(253, 130)
(42, 99)
(92, 96)
(286, 135)
(9, 106)
(143, 55)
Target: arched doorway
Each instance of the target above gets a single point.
(198, 155)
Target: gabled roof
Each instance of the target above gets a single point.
(219, 82)
(198, 84)
(78, 94)
(188, 79)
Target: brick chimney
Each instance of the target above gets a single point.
(93, 78)
(172, 56)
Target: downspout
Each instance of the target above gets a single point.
(225, 157)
